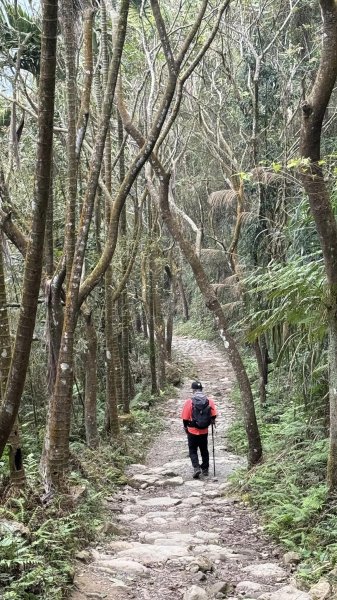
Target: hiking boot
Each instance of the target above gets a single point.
(197, 473)
(205, 472)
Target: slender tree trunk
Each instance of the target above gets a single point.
(144, 322)
(90, 401)
(313, 111)
(56, 452)
(34, 254)
(212, 303)
(159, 324)
(152, 342)
(261, 369)
(111, 350)
(183, 297)
(16, 468)
(124, 296)
(170, 311)
(68, 22)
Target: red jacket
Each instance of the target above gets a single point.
(186, 415)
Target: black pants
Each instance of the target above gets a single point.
(195, 442)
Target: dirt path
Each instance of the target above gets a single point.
(183, 538)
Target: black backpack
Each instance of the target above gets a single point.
(201, 411)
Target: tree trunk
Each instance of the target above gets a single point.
(183, 298)
(159, 324)
(212, 303)
(124, 296)
(56, 451)
(113, 375)
(90, 399)
(170, 311)
(34, 254)
(16, 469)
(261, 369)
(68, 26)
(313, 111)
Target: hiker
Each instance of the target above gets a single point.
(198, 414)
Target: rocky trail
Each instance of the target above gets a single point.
(183, 538)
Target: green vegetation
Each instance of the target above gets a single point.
(289, 488)
(38, 541)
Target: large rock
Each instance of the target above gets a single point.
(321, 590)
(288, 592)
(150, 554)
(160, 501)
(139, 480)
(121, 565)
(173, 373)
(162, 471)
(171, 481)
(250, 589)
(265, 572)
(201, 563)
(13, 527)
(152, 537)
(136, 468)
(192, 501)
(207, 536)
(291, 558)
(195, 593)
(221, 587)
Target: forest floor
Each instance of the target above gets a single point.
(180, 537)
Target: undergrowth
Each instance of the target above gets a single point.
(197, 330)
(38, 542)
(289, 488)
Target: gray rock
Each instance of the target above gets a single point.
(160, 501)
(110, 528)
(159, 521)
(207, 536)
(153, 537)
(265, 572)
(83, 555)
(288, 592)
(212, 493)
(250, 589)
(139, 480)
(201, 563)
(150, 554)
(163, 472)
(173, 373)
(220, 587)
(127, 518)
(13, 527)
(136, 468)
(122, 565)
(171, 481)
(140, 521)
(291, 558)
(192, 501)
(321, 590)
(195, 593)
(118, 546)
(200, 576)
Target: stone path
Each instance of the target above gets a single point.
(182, 538)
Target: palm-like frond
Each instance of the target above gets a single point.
(222, 198)
(15, 25)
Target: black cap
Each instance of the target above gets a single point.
(196, 385)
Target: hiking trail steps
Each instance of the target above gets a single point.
(183, 538)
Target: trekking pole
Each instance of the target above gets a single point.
(213, 448)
